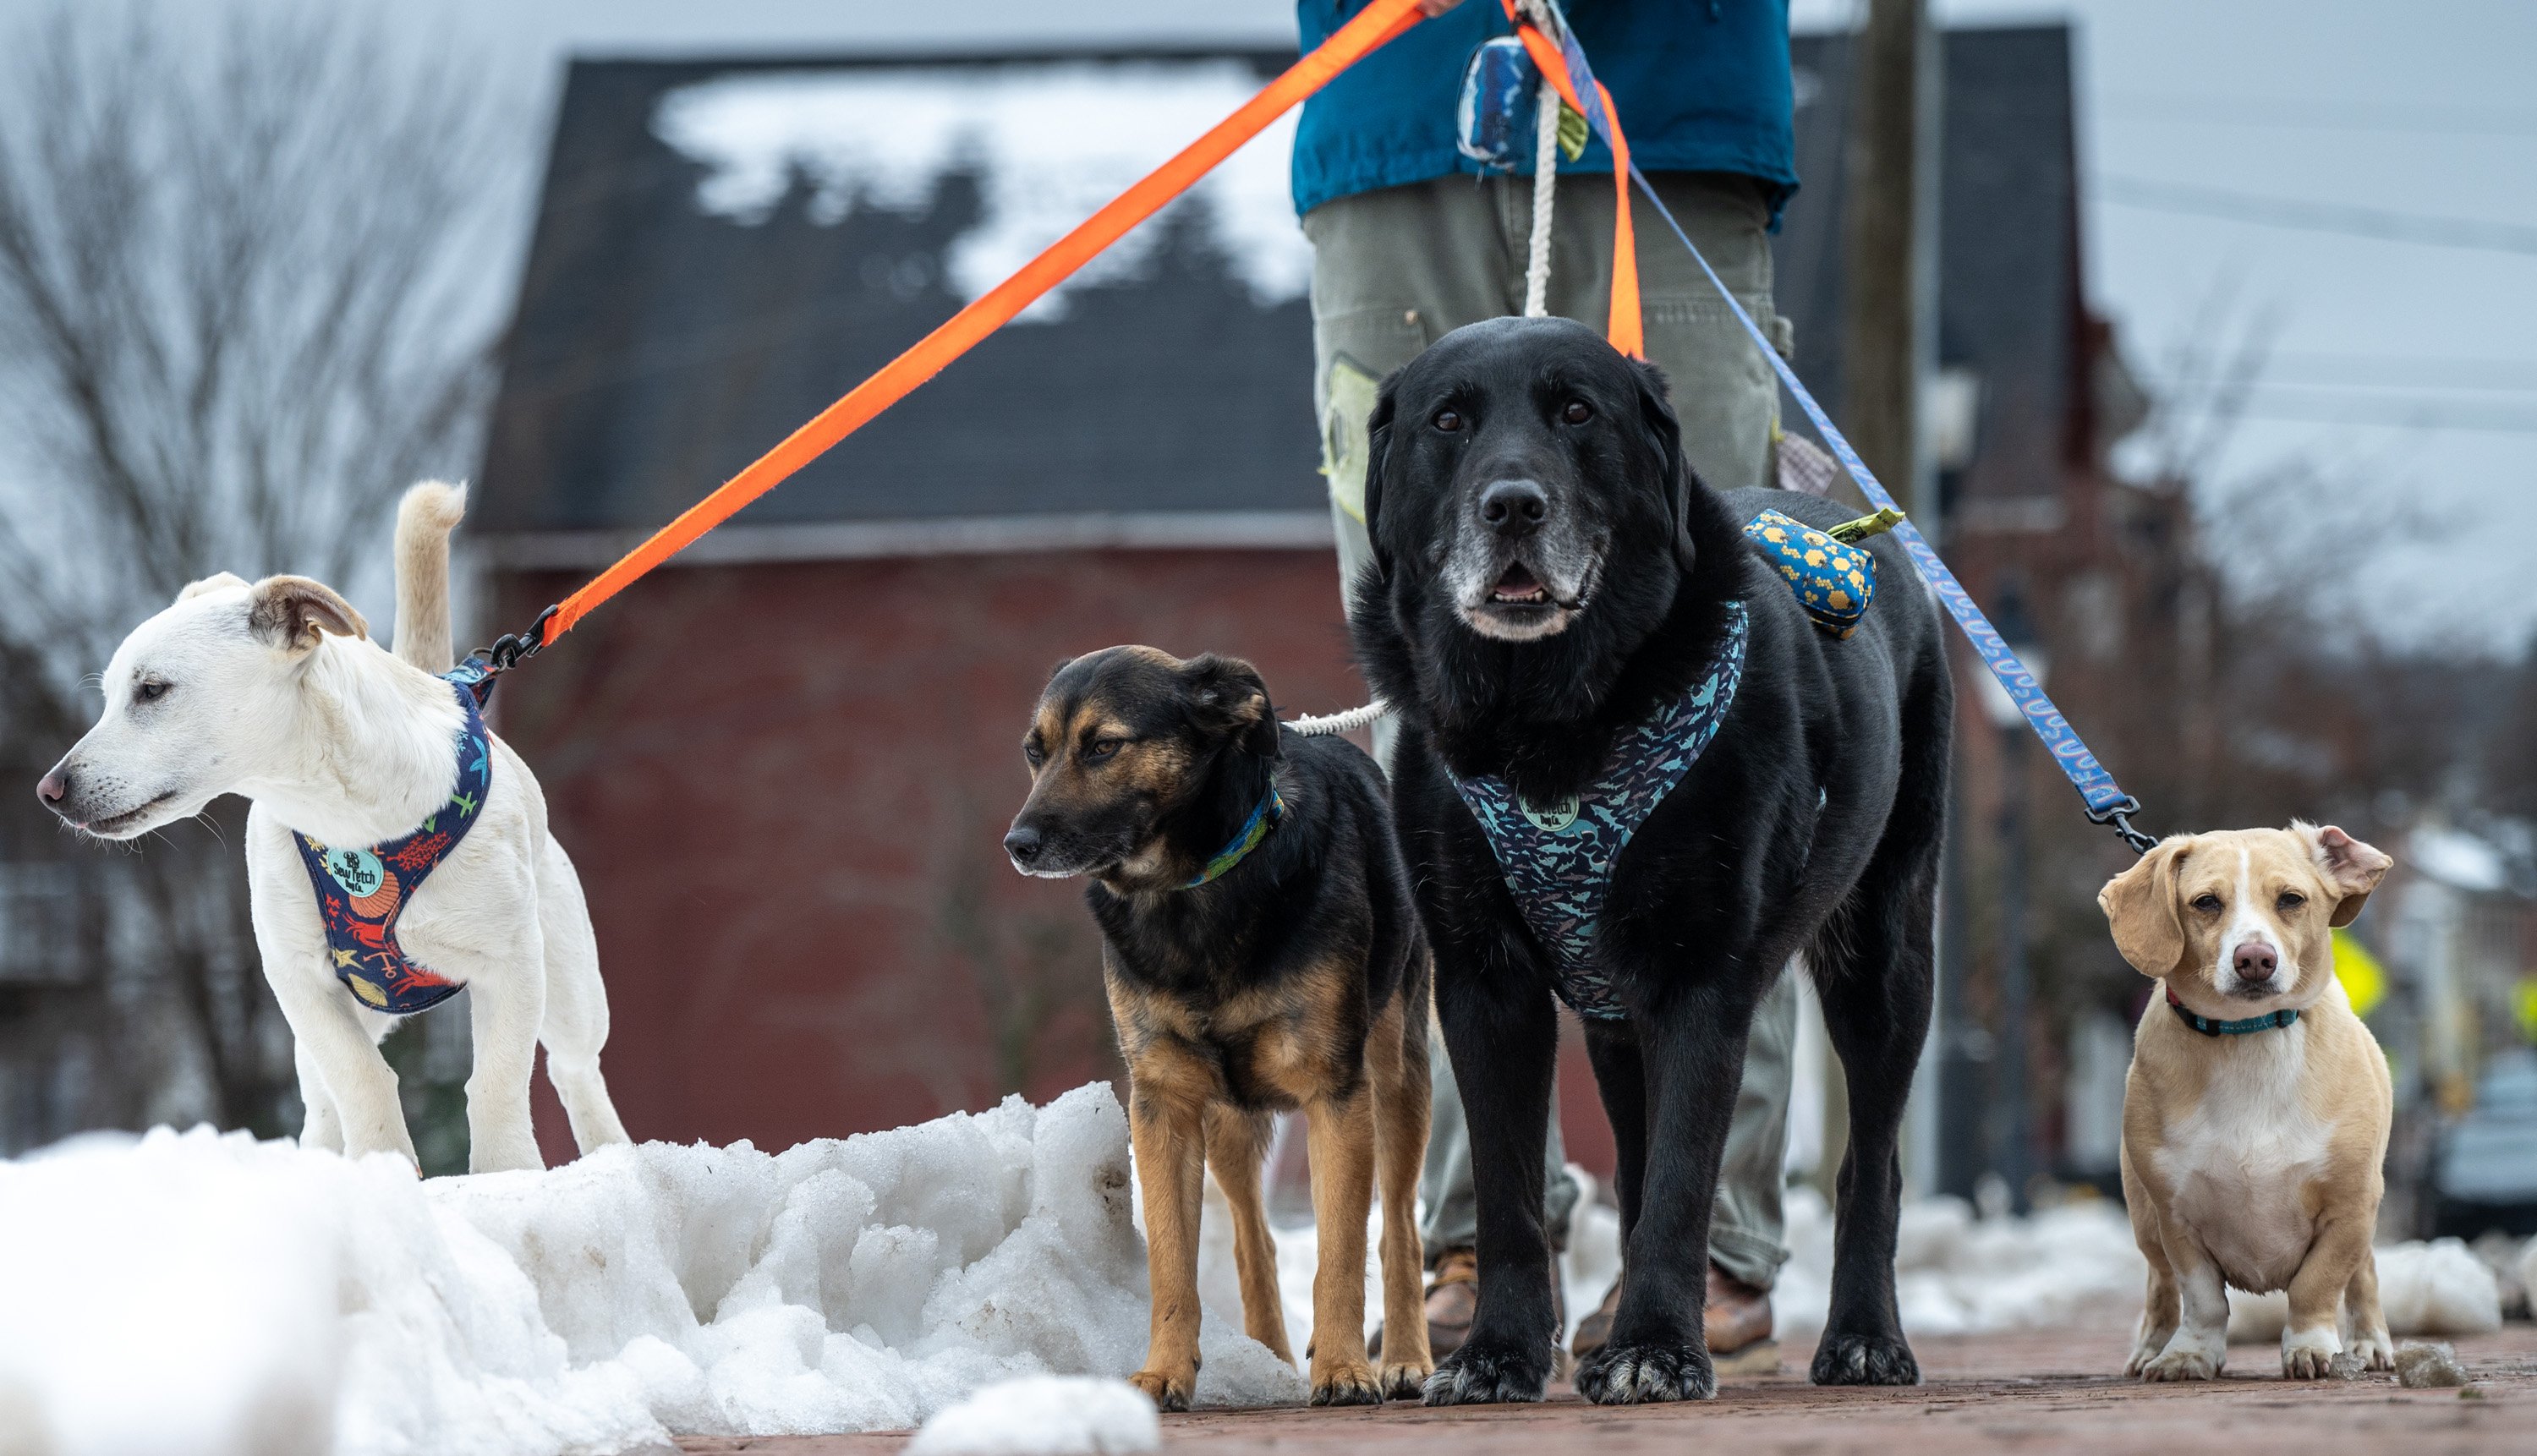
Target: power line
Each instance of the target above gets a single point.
(2326, 407)
(2318, 217)
(2319, 116)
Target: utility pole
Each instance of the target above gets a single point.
(1889, 353)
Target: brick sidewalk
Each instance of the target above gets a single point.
(2052, 1391)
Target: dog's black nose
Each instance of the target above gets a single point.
(1514, 509)
(1022, 845)
(53, 788)
(2255, 961)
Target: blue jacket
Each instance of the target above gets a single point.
(1701, 85)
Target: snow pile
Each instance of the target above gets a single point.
(1955, 1274)
(2439, 1288)
(1044, 1415)
(1049, 144)
(199, 1294)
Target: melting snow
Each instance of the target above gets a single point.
(1049, 142)
(198, 1293)
(1045, 1415)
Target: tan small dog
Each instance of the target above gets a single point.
(2255, 1117)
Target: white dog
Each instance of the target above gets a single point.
(275, 692)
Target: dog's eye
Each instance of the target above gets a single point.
(2290, 899)
(1034, 755)
(2207, 904)
(1101, 748)
(1577, 411)
(150, 691)
(1447, 421)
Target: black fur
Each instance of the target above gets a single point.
(1735, 873)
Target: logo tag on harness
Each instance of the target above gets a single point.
(1552, 818)
(359, 871)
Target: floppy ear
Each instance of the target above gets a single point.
(2351, 868)
(219, 582)
(2140, 905)
(1227, 698)
(1378, 448)
(289, 612)
(1664, 436)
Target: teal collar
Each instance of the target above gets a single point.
(1263, 818)
(2209, 1028)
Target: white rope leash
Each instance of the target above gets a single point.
(1313, 726)
(1545, 181)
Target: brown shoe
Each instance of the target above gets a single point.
(1737, 1318)
(1453, 1298)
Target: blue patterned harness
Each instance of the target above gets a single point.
(360, 892)
(1558, 858)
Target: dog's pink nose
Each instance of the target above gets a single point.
(2255, 961)
(55, 787)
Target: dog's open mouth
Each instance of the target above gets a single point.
(1519, 587)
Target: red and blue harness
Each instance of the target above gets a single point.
(361, 892)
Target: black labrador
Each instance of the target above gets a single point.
(1548, 575)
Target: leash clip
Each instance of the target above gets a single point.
(2118, 814)
(513, 648)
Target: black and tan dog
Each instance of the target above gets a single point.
(1552, 591)
(1261, 954)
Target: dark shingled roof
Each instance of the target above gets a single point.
(657, 347)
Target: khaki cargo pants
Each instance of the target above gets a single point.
(1396, 269)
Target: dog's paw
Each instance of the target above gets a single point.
(2142, 1355)
(1618, 1374)
(1168, 1392)
(1405, 1383)
(2182, 1364)
(1486, 1372)
(1345, 1384)
(2376, 1352)
(2309, 1355)
(1864, 1359)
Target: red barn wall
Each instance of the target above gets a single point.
(786, 785)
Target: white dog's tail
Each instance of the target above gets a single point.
(425, 518)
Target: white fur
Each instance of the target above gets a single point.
(2238, 1161)
(343, 742)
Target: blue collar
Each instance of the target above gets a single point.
(360, 892)
(2272, 1021)
(1264, 817)
(1558, 858)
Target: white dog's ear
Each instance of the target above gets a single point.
(288, 612)
(221, 583)
(2351, 868)
(2140, 905)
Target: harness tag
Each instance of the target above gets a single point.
(1550, 818)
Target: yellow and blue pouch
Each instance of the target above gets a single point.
(1833, 577)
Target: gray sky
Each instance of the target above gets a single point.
(2385, 355)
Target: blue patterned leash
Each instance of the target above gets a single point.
(2106, 800)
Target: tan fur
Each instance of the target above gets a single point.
(426, 516)
(1363, 1123)
(2251, 1160)
(290, 612)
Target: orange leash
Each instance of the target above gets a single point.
(1622, 325)
(1378, 23)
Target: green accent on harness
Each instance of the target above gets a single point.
(2271, 1021)
(1254, 829)
(1571, 132)
(1852, 533)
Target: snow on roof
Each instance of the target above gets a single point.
(2458, 859)
(1049, 142)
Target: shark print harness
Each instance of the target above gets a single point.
(1558, 858)
(361, 892)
